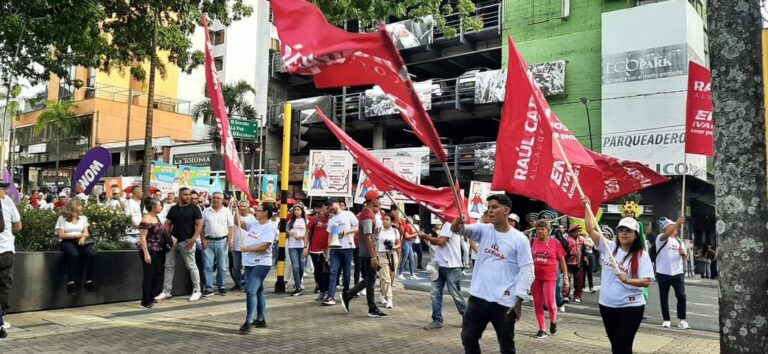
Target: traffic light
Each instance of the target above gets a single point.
(297, 130)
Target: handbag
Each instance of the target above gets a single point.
(166, 239)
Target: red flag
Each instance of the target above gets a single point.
(438, 200)
(622, 177)
(527, 160)
(336, 58)
(699, 127)
(232, 164)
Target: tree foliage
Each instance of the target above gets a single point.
(60, 117)
(235, 101)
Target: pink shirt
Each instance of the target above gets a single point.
(545, 258)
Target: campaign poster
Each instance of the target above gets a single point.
(164, 176)
(478, 192)
(405, 166)
(269, 188)
(377, 103)
(195, 178)
(305, 182)
(412, 33)
(113, 182)
(330, 173)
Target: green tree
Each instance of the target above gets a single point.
(234, 101)
(59, 119)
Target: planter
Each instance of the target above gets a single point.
(40, 280)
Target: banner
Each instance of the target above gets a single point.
(528, 161)
(269, 189)
(365, 184)
(330, 173)
(699, 127)
(478, 192)
(91, 168)
(336, 58)
(195, 178)
(164, 177)
(408, 168)
(232, 164)
(12, 191)
(113, 182)
(412, 33)
(489, 85)
(305, 182)
(377, 103)
(623, 177)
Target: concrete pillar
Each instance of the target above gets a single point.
(379, 138)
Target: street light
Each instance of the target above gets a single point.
(585, 101)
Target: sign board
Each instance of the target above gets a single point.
(195, 178)
(330, 173)
(91, 168)
(244, 129)
(478, 192)
(164, 177)
(199, 159)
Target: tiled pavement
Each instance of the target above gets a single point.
(299, 325)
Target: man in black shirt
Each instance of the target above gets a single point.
(186, 224)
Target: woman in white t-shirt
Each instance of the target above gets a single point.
(245, 216)
(257, 259)
(72, 230)
(387, 245)
(297, 231)
(621, 293)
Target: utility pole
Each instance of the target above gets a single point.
(585, 101)
(740, 173)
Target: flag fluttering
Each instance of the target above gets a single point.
(622, 177)
(699, 126)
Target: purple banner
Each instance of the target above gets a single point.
(12, 191)
(91, 168)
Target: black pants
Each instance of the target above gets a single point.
(358, 268)
(419, 255)
(677, 282)
(621, 325)
(152, 277)
(369, 280)
(479, 313)
(75, 256)
(6, 278)
(322, 271)
(588, 270)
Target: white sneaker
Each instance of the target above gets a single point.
(195, 296)
(362, 292)
(389, 304)
(401, 277)
(683, 324)
(163, 296)
(562, 308)
(6, 325)
(414, 277)
(383, 299)
(666, 324)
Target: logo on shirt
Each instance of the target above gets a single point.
(541, 257)
(632, 299)
(507, 293)
(495, 252)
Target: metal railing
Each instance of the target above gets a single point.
(490, 13)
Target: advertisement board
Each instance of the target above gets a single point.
(550, 76)
(164, 176)
(412, 33)
(330, 173)
(377, 103)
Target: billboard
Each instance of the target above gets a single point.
(164, 176)
(330, 173)
(550, 76)
(406, 167)
(644, 84)
(269, 188)
(410, 33)
(377, 103)
(195, 178)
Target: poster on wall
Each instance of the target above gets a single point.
(485, 159)
(164, 176)
(377, 103)
(269, 188)
(195, 178)
(550, 76)
(478, 192)
(330, 173)
(305, 182)
(406, 167)
(412, 33)
(419, 153)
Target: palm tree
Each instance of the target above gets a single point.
(60, 120)
(234, 102)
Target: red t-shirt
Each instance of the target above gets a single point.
(405, 228)
(546, 258)
(319, 228)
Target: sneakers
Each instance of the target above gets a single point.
(147, 306)
(163, 296)
(6, 325)
(683, 324)
(376, 313)
(207, 293)
(320, 297)
(260, 323)
(196, 296)
(382, 299)
(236, 288)
(330, 300)
(345, 298)
(566, 300)
(390, 305)
(246, 327)
(297, 292)
(433, 325)
(316, 291)
(577, 300)
(553, 328)
(71, 288)
(401, 277)
(414, 277)
(3, 334)
(90, 286)
(541, 334)
(666, 324)
(561, 308)
(362, 292)
(591, 291)
(222, 292)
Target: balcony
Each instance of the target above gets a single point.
(72, 148)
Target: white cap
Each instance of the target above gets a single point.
(416, 217)
(514, 216)
(62, 194)
(629, 223)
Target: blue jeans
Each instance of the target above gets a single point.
(451, 278)
(297, 265)
(216, 252)
(340, 257)
(255, 301)
(237, 267)
(559, 301)
(407, 257)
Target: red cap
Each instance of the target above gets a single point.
(372, 194)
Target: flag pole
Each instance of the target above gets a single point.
(682, 204)
(553, 220)
(556, 137)
(453, 188)
(392, 200)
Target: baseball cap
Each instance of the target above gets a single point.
(62, 194)
(514, 216)
(664, 222)
(372, 194)
(416, 217)
(629, 223)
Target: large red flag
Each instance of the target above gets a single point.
(438, 200)
(232, 164)
(336, 58)
(623, 177)
(699, 127)
(528, 161)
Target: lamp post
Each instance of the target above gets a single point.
(585, 101)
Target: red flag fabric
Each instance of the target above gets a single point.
(528, 161)
(622, 177)
(312, 46)
(438, 200)
(699, 127)
(232, 164)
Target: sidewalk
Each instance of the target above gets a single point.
(298, 324)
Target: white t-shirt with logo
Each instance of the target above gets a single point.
(300, 229)
(390, 234)
(10, 216)
(449, 256)
(341, 222)
(668, 260)
(259, 233)
(614, 293)
(248, 220)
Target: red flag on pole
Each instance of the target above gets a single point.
(232, 164)
(622, 177)
(527, 161)
(438, 200)
(699, 127)
(336, 58)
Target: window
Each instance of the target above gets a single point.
(219, 63)
(66, 89)
(548, 10)
(217, 37)
(90, 84)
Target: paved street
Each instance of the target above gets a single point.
(298, 324)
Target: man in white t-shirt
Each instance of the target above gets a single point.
(133, 210)
(10, 222)
(448, 258)
(501, 279)
(670, 254)
(170, 200)
(343, 224)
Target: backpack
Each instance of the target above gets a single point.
(653, 252)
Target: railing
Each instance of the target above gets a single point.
(275, 64)
(72, 148)
(489, 13)
(126, 170)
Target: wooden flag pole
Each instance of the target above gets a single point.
(453, 188)
(392, 200)
(682, 204)
(553, 220)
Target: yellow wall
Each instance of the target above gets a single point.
(168, 87)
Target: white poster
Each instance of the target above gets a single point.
(478, 192)
(419, 153)
(330, 173)
(645, 78)
(490, 85)
(406, 167)
(377, 103)
(412, 33)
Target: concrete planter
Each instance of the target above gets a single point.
(39, 280)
